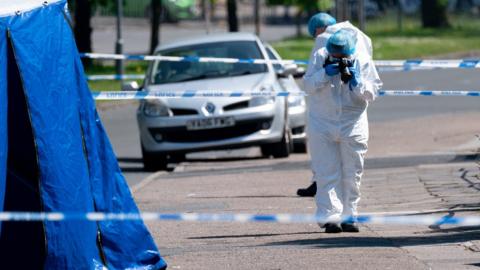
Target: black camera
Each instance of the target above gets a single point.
(343, 64)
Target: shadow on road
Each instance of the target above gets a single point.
(129, 160)
(461, 229)
(247, 197)
(250, 235)
(231, 159)
(133, 169)
(285, 164)
(452, 236)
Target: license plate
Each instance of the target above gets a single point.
(209, 123)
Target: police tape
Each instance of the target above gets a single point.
(405, 64)
(429, 64)
(142, 76)
(143, 95)
(115, 77)
(138, 57)
(240, 218)
(438, 93)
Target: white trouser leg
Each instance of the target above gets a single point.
(352, 151)
(326, 167)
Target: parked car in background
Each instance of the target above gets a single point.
(296, 104)
(171, 127)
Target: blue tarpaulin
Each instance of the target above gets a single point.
(55, 155)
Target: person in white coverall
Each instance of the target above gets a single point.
(317, 25)
(364, 45)
(340, 82)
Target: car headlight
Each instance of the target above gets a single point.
(296, 101)
(260, 101)
(156, 109)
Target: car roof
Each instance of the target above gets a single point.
(209, 39)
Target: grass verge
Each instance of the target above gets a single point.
(412, 41)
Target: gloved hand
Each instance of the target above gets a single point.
(332, 69)
(355, 80)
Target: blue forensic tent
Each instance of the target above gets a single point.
(55, 155)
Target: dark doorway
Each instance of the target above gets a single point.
(22, 244)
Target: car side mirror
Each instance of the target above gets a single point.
(287, 70)
(130, 86)
(299, 73)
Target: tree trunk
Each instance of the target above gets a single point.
(155, 24)
(298, 22)
(232, 16)
(82, 29)
(434, 13)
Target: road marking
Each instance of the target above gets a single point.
(146, 181)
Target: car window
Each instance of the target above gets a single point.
(171, 72)
(272, 56)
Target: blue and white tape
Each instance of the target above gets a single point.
(240, 218)
(115, 77)
(447, 93)
(138, 57)
(429, 64)
(404, 64)
(142, 95)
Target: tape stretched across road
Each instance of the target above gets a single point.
(447, 93)
(240, 218)
(141, 95)
(405, 64)
(115, 77)
(112, 77)
(137, 57)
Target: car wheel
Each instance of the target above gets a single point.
(177, 158)
(300, 147)
(266, 150)
(281, 149)
(154, 161)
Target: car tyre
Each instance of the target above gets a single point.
(300, 147)
(281, 149)
(153, 162)
(266, 150)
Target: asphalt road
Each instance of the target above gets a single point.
(394, 108)
(121, 125)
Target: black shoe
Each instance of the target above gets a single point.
(308, 192)
(350, 227)
(332, 228)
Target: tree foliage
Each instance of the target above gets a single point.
(322, 5)
(434, 13)
(82, 14)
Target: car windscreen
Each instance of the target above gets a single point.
(172, 72)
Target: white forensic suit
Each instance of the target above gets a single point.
(363, 46)
(338, 131)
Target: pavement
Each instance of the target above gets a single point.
(416, 173)
(266, 186)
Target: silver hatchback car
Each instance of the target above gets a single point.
(172, 127)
